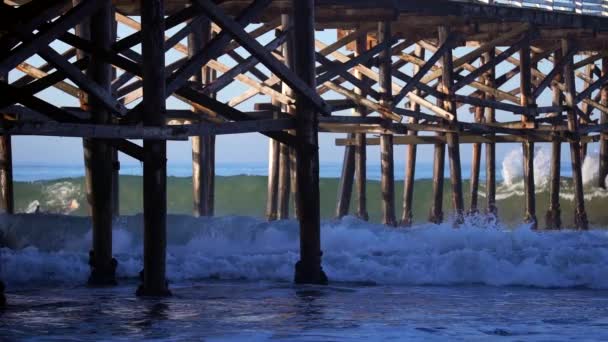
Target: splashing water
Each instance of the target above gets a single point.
(354, 251)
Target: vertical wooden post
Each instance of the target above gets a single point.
(284, 182)
(273, 171)
(525, 73)
(6, 170)
(98, 158)
(114, 150)
(6, 183)
(553, 218)
(360, 147)
(308, 269)
(603, 172)
(475, 167)
(410, 166)
(490, 116)
(586, 108)
(580, 217)
(452, 138)
(436, 212)
(202, 165)
(345, 188)
(387, 180)
(155, 151)
(286, 167)
(476, 160)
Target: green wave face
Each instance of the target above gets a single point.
(246, 195)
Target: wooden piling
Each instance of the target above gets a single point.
(202, 146)
(490, 117)
(98, 157)
(273, 172)
(6, 169)
(114, 150)
(308, 269)
(345, 188)
(580, 216)
(6, 187)
(360, 147)
(475, 166)
(284, 182)
(451, 137)
(154, 282)
(436, 211)
(586, 108)
(287, 178)
(387, 180)
(553, 217)
(410, 156)
(528, 147)
(603, 164)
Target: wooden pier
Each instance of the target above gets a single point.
(410, 71)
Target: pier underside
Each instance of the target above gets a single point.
(412, 72)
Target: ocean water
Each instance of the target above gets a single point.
(231, 275)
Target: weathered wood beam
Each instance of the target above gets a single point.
(214, 48)
(558, 67)
(603, 165)
(243, 67)
(467, 139)
(36, 73)
(485, 67)
(422, 71)
(154, 282)
(407, 216)
(104, 97)
(308, 268)
(447, 82)
(45, 35)
(97, 154)
(580, 216)
(7, 201)
(202, 146)
(264, 56)
(347, 77)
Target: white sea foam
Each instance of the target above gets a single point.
(247, 248)
(512, 167)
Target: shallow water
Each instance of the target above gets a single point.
(261, 311)
(231, 279)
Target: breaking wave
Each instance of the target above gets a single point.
(53, 249)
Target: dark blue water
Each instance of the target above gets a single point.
(263, 311)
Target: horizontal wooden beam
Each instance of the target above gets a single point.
(463, 139)
(169, 132)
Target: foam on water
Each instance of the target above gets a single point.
(248, 248)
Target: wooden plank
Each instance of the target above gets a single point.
(45, 35)
(423, 70)
(214, 48)
(243, 66)
(264, 56)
